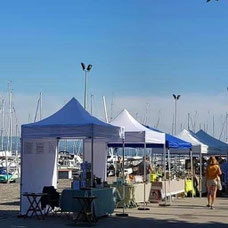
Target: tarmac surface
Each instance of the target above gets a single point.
(184, 212)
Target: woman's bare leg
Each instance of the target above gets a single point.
(213, 197)
(209, 195)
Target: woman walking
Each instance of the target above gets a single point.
(212, 174)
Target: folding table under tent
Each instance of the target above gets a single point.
(40, 142)
(136, 135)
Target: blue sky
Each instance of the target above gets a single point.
(139, 48)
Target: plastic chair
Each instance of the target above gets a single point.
(50, 201)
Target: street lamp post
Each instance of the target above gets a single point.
(176, 98)
(86, 70)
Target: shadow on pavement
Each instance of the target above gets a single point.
(11, 203)
(8, 219)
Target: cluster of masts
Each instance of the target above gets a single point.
(9, 124)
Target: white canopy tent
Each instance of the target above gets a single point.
(40, 142)
(202, 143)
(136, 133)
(197, 146)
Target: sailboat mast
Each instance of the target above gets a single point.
(188, 121)
(105, 109)
(9, 146)
(3, 124)
(41, 101)
(91, 108)
(111, 111)
(213, 126)
(11, 123)
(226, 128)
(10, 132)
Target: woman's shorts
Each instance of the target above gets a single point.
(212, 183)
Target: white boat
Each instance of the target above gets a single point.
(67, 160)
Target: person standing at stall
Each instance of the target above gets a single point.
(119, 166)
(212, 174)
(149, 168)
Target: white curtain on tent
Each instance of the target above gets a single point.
(39, 167)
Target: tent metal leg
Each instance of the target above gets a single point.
(144, 180)
(169, 168)
(21, 193)
(164, 179)
(92, 157)
(123, 184)
(200, 178)
(191, 159)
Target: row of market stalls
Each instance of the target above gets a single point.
(40, 143)
(159, 142)
(203, 146)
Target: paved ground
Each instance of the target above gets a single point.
(184, 212)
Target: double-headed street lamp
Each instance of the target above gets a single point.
(176, 98)
(86, 70)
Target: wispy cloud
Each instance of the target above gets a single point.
(156, 111)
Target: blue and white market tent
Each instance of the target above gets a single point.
(220, 148)
(173, 142)
(136, 135)
(40, 141)
(202, 143)
(70, 121)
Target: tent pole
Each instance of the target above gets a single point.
(169, 167)
(200, 179)
(164, 179)
(192, 171)
(92, 159)
(57, 159)
(22, 155)
(165, 175)
(152, 157)
(123, 184)
(144, 177)
(123, 177)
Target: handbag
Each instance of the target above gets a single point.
(219, 185)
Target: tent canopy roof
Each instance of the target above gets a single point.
(211, 141)
(72, 120)
(200, 144)
(136, 132)
(189, 136)
(174, 142)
